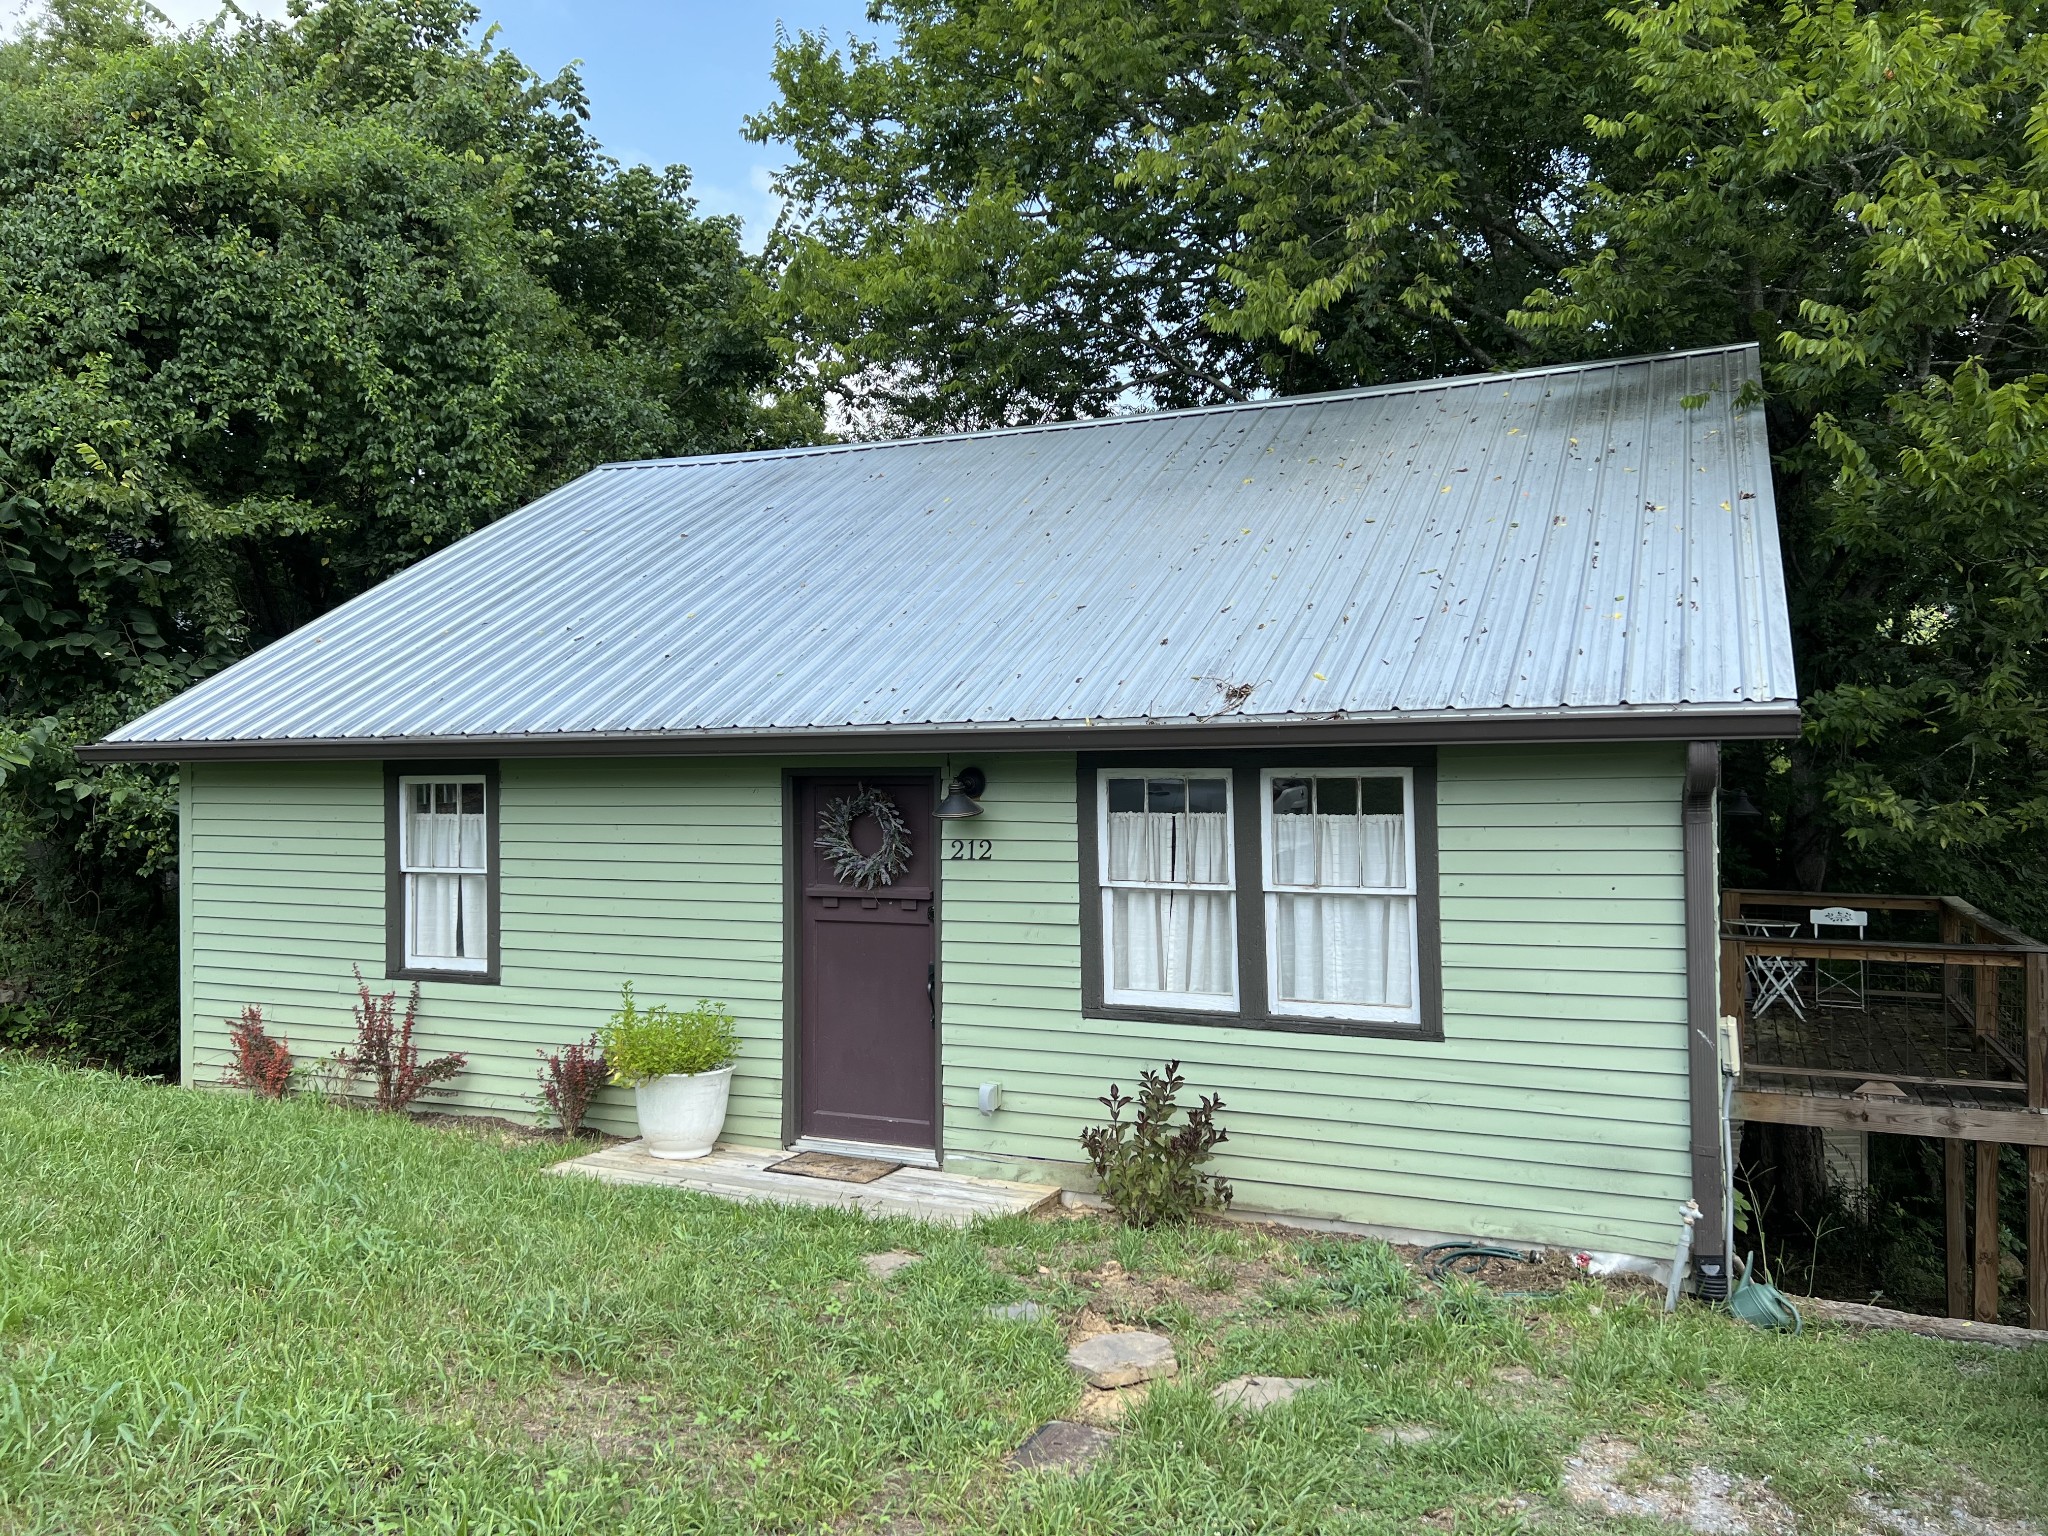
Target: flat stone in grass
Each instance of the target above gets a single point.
(1404, 1434)
(1018, 1311)
(1061, 1446)
(1124, 1359)
(1255, 1394)
(883, 1265)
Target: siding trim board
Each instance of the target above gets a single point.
(1254, 1011)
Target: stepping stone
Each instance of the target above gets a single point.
(1123, 1359)
(1018, 1311)
(1061, 1446)
(883, 1265)
(1404, 1434)
(1255, 1394)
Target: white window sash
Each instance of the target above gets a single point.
(1403, 895)
(470, 874)
(1225, 888)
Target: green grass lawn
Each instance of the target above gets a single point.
(223, 1314)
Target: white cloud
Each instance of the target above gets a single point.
(192, 13)
(180, 13)
(756, 203)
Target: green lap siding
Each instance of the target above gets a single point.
(1553, 1110)
(664, 873)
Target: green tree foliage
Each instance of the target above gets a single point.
(1042, 208)
(287, 307)
(1859, 189)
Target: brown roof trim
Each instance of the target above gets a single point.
(1691, 723)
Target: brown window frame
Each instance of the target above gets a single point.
(395, 968)
(1254, 1010)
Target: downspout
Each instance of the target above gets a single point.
(1703, 1015)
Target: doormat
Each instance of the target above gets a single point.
(831, 1165)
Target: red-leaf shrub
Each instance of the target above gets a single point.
(384, 1051)
(261, 1065)
(569, 1080)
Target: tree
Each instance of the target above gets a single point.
(1042, 208)
(288, 307)
(1048, 208)
(1859, 188)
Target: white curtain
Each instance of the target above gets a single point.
(1344, 949)
(446, 911)
(1341, 852)
(1330, 946)
(1166, 940)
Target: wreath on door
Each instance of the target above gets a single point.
(864, 871)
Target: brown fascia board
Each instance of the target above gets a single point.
(1750, 723)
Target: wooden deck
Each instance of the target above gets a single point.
(1951, 1042)
(741, 1173)
(1913, 1042)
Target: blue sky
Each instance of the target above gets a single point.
(668, 84)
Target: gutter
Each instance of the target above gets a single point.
(1434, 728)
(1703, 1016)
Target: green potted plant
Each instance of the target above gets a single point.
(679, 1066)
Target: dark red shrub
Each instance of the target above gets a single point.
(261, 1065)
(384, 1051)
(569, 1080)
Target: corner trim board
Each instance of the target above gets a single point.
(1702, 1005)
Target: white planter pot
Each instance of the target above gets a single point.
(681, 1115)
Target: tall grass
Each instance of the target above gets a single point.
(224, 1314)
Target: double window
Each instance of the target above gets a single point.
(1285, 896)
(441, 874)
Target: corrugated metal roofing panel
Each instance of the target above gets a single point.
(1558, 540)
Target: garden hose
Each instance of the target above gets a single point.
(1468, 1261)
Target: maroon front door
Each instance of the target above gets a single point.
(866, 1033)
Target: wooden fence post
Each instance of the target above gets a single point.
(1986, 1246)
(1951, 924)
(2036, 1016)
(1956, 1188)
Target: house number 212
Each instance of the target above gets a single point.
(970, 848)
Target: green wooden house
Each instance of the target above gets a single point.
(1358, 751)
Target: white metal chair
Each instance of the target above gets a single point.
(1773, 978)
(1840, 983)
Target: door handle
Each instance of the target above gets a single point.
(931, 991)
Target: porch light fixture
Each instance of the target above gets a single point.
(963, 796)
(1739, 804)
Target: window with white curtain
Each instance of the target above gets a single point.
(1169, 904)
(444, 852)
(1340, 893)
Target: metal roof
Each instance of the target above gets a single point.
(1576, 545)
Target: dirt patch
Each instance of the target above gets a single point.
(1708, 1500)
(510, 1133)
(1549, 1270)
(1956, 1520)
(1117, 1298)
(1099, 1407)
(595, 1416)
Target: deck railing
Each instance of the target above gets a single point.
(1991, 984)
